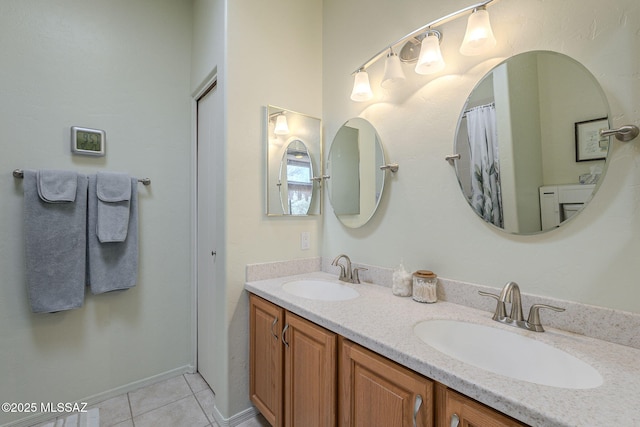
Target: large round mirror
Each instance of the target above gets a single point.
(356, 181)
(296, 186)
(531, 156)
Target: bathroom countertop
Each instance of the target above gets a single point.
(384, 323)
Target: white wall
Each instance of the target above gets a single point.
(271, 54)
(123, 67)
(423, 217)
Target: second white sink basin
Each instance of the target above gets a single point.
(321, 290)
(508, 353)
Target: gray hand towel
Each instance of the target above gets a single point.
(57, 186)
(113, 191)
(55, 208)
(112, 265)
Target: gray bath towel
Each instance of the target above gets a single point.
(112, 265)
(55, 208)
(113, 191)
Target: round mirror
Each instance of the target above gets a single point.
(528, 138)
(356, 181)
(296, 186)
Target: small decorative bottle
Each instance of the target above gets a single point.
(401, 285)
(425, 286)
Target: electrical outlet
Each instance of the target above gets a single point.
(305, 240)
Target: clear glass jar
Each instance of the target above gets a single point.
(425, 286)
(402, 281)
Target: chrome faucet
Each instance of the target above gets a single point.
(346, 273)
(511, 294)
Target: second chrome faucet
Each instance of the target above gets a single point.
(511, 294)
(346, 273)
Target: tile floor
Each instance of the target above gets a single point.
(182, 401)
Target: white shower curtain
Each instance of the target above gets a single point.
(486, 196)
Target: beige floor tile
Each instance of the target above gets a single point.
(207, 402)
(258, 421)
(127, 423)
(158, 394)
(114, 410)
(48, 423)
(196, 382)
(183, 413)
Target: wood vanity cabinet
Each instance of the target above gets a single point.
(376, 392)
(302, 375)
(266, 358)
(457, 410)
(293, 367)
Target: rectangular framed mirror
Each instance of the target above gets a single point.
(294, 163)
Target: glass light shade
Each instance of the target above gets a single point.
(282, 128)
(361, 87)
(430, 60)
(479, 36)
(393, 74)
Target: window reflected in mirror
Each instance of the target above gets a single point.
(295, 181)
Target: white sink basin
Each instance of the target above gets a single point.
(508, 353)
(321, 290)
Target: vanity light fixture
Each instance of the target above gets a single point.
(479, 36)
(361, 87)
(393, 74)
(430, 60)
(282, 128)
(478, 39)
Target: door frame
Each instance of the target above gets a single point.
(208, 84)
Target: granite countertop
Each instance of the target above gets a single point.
(384, 323)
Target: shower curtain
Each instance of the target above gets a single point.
(486, 198)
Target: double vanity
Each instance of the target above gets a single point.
(468, 367)
(532, 128)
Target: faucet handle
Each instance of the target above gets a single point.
(356, 276)
(534, 314)
(501, 311)
(489, 294)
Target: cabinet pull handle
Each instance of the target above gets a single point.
(416, 409)
(284, 331)
(275, 321)
(455, 420)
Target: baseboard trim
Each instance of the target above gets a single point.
(236, 419)
(99, 397)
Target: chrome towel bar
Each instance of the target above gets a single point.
(17, 173)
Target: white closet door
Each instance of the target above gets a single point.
(208, 146)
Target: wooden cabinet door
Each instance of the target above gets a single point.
(461, 411)
(265, 358)
(376, 392)
(310, 374)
